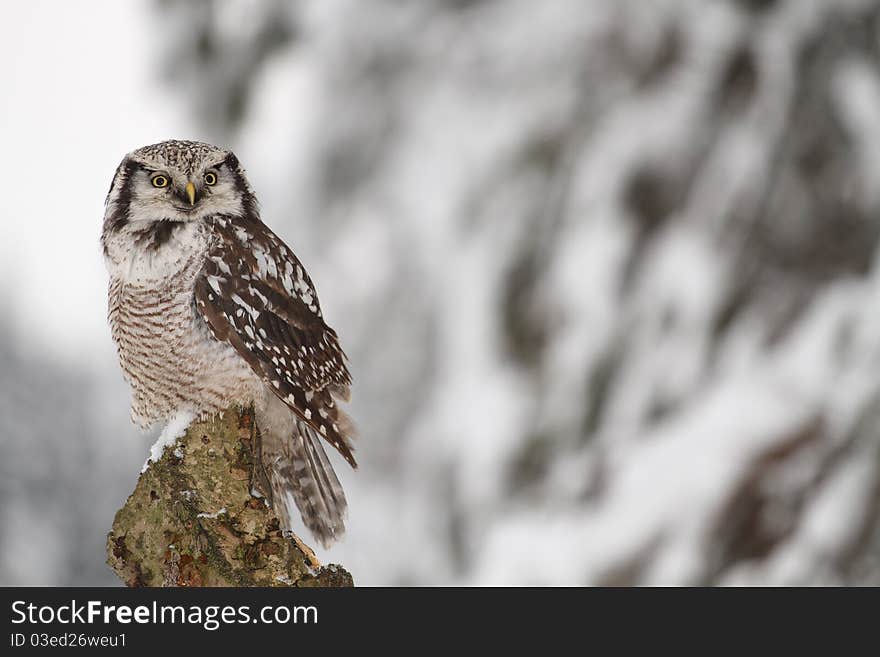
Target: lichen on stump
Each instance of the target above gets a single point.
(194, 518)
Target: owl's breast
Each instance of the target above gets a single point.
(154, 254)
(166, 351)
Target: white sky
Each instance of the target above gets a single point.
(80, 88)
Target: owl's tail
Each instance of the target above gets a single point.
(301, 476)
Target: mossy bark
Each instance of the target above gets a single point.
(195, 518)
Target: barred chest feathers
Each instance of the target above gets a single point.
(166, 350)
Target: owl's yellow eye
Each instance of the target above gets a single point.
(210, 178)
(160, 181)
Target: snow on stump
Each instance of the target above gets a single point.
(195, 517)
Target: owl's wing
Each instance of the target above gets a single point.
(255, 294)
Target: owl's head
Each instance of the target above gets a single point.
(176, 182)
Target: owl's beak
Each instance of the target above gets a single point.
(191, 193)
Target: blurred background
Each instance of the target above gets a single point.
(607, 273)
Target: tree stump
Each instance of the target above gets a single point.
(197, 518)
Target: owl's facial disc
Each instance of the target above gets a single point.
(168, 194)
(175, 182)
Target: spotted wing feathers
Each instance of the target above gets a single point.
(255, 294)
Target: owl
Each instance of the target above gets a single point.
(208, 307)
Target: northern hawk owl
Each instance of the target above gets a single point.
(208, 307)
